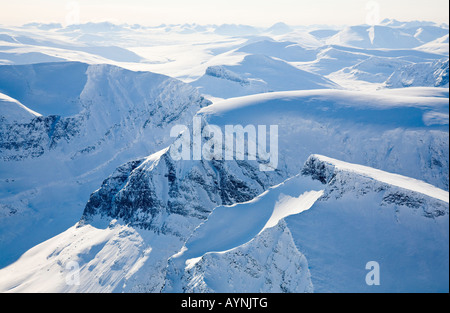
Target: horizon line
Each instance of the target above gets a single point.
(254, 25)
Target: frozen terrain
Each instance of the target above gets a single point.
(91, 199)
(314, 232)
(65, 127)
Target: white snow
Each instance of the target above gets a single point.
(46, 267)
(288, 205)
(78, 101)
(389, 178)
(12, 110)
(439, 46)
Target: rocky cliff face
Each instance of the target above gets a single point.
(150, 193)
(32, 139)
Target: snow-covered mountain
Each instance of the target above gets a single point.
(258, 74)
(25, 48)
(161, 48)
(156, 204)
(285, 50)
(186, 181)
(92, 199)
(334, 58)
(374, 69)
(429, 74)
(287, 239)
(387, 36)
(67, 126)
(84, 107)
(196, 188)
(281, 238)
(374, 37)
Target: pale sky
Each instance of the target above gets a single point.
(254, 12)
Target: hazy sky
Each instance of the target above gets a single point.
(256, 12)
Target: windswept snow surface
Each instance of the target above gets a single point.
(231, 226)
(360, 219)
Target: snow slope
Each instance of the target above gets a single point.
(287, 50)
(439, 46)
(257, 74)
(330, 122)
(327, 168)
(374, 69)
(33, 43)
(378, 36)
(105, 257)
(363, 69)
(48, 88)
